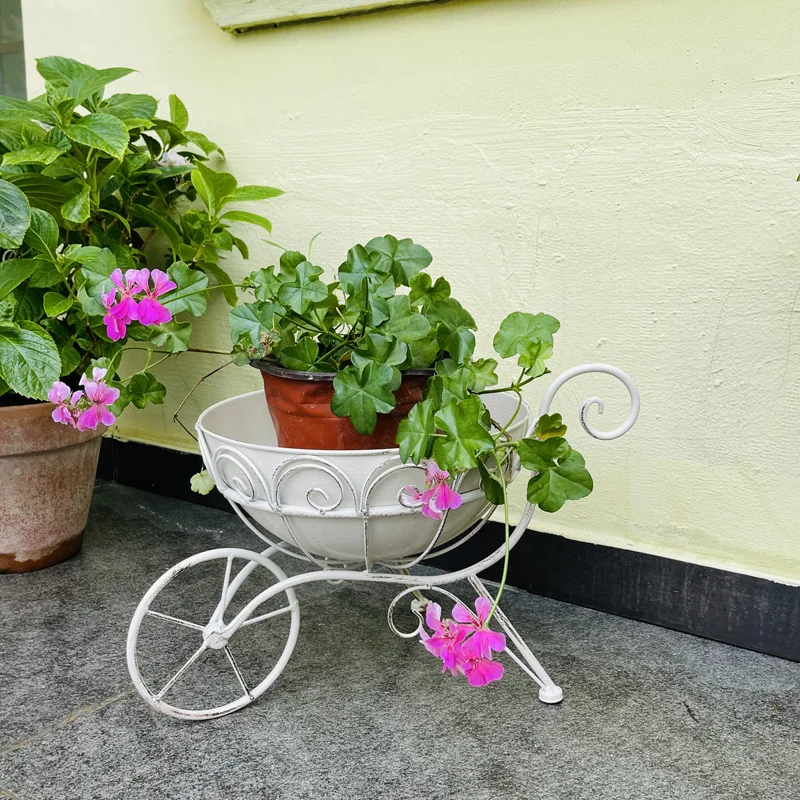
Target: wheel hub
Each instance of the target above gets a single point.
(214, 635)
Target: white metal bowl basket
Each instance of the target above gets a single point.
(343, 512)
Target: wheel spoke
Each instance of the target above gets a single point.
(176, 677)
(238, 672)
(262, 617)
(186, 623)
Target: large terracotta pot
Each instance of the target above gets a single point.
(300, 406)
(47, 475)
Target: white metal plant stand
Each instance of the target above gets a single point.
(343, 513)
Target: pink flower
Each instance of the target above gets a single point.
(446, 640)
(151, 312)
(126, 310)
(478, 670)
(62, 396)
(484, 638)
(438, 497)
(98, 396)
(116, 328)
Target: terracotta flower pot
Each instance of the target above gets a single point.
(300, 406)
(47, 475)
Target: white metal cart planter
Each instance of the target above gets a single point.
(343, 513)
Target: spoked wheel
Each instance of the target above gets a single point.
(181, 648)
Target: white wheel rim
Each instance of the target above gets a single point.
(155, 699)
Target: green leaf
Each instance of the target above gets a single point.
(70, 359)
(56, 304)
(460, 344)
(361, 395)
(250, 320)
(483, 373)
(178, 114)
(13, 272)
(450, 314)
(159, 222)
(380, 349)
(301, 356)
(204, 143)
(422, 353)
(520, 327)
(246, 216)
(173, 335)
(15, 215)
(223, 279)
(29, 360)
(533, 355)
(97, 264)
(42, 192)
(403, 258)
(550, 426)
(143, 388)
(424, 291)
(404, 323)
(102, 131)
(131, 106)
(42, 235)
(467, 437)
(539, 456)
(245, 194)
(214, 188)
(186, 297)
(568, 479)
(415, 433)
(492, 488)
(452, 381)
(77, 208)
(33, 154)
(305, 289)
(202, 482)
(78, 81)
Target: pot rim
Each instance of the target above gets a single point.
(297, 375)
(37, 404)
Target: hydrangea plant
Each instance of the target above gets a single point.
(382, 315)
(111, 230)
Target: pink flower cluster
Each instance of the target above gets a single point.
(88, 407)
(438, 497)
(124, 309)
(465, 643)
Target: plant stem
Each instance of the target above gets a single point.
(507, 534)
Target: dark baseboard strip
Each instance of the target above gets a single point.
(741, 610)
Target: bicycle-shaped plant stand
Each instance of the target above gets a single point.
(344, 513)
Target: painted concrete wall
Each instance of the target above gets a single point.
(627, 166)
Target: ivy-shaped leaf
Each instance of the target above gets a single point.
(173, 335)
(404, 323)
(520, 327)
(568, 480)
(301, 356)
(533, 355)
(467, 436)
(190, 292)
(250, 320)
(306, 288)
(550, 426)
(362, 394)
(415, 432)
(144, 388)
(402, 258)
(424, 291)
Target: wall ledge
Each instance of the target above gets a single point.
(239, 16)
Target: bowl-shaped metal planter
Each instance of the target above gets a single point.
(311, 498)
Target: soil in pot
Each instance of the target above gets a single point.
(300, 406)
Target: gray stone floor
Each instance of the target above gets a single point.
(360, 713)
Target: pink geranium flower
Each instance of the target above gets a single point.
(98, 396)
(151, 312)
(65, 400)
(438, 497)
(445, 643)
(475, 624)
(478, 670)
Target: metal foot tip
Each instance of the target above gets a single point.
(551, 694)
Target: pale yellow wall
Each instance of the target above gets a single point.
(627, 166)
